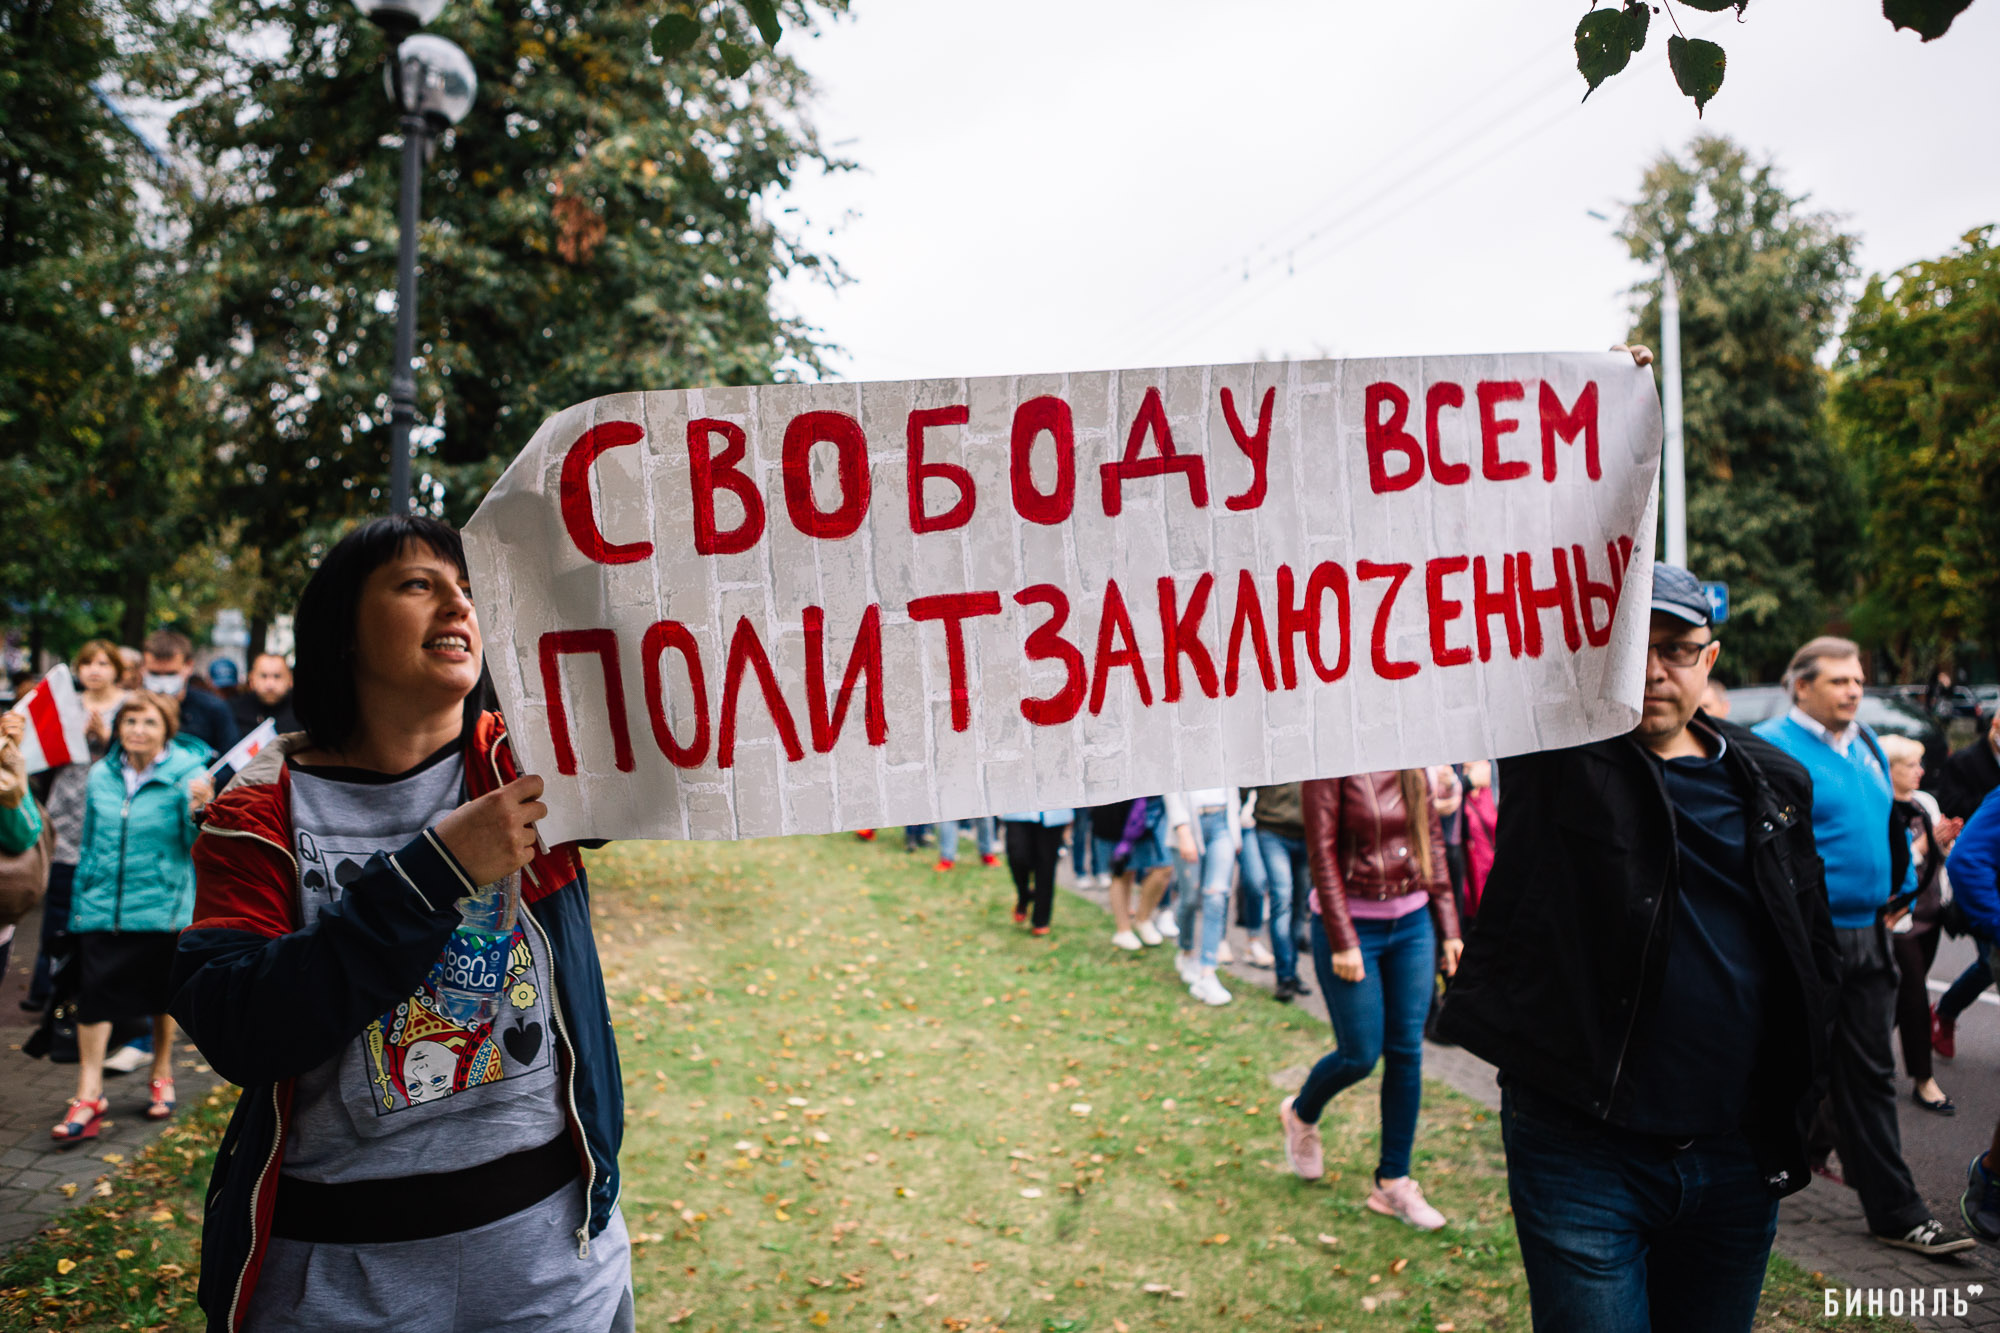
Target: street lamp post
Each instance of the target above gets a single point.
(432, 83)
(1673, 457)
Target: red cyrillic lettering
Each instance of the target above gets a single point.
(1489, 602)
(960, 512)
(1444, 610)
(1566, 423)
(1588, 592)
(577, 514)
(706, 473)
(661, 636)
(1256, 447)
(954, 609)
(1031, 418)
(1492, 393)
(1535, 600)
(1151, 419)
(1437, 398)
(1304, 619)
(1378, 642)
(747, 650)
(1116, 620)
(1046, 644)
(1248, 618)
(843, 432)
(866, 657)
(1387, 436)
(605, 644)
(1180, 632)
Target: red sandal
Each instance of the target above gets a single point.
(161, 1093)
(81, 1121)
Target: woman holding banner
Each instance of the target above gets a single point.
(1379, 884)
(405, 985)
(134, 891)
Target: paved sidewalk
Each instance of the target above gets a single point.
(1820, 1228)
(33, 1171)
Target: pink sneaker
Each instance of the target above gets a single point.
(1302, 1148)
(1404, 1199)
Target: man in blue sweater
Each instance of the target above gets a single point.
(1851, 826)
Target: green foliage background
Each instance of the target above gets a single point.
(1918, 415)
(1771, 510)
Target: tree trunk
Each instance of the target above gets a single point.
(138, 593)
(35, 638)
(260, 627)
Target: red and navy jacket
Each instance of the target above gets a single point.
(266, 996)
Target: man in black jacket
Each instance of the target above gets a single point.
(1968, 775)
(1648, 971)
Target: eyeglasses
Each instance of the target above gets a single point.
(1680, 652)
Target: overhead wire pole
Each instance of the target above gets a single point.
(1673, 458)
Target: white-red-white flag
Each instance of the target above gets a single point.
(246, 749)
(57, 721)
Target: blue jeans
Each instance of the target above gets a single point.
(1630, 1233)
(1380, 1017)
(1252, 862)
(1977, 976)
(1288, 879)
(1217, 867)
(1082, 845)
(948, 838)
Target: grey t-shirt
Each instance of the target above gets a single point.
(464, 1070)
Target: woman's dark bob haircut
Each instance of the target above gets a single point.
(323, 680)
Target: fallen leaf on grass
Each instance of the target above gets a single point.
(1368, 1303)
(69, 1190)
(932, 1299)
(1446, 1327)
(1079, 1108)
(681, 1316)
(124, 1254)
(820, 1317)
(113, 1157)
(1120, 1326)
(1398, 1266)
(162, 1215)
(1219, 1238)
(1325, 1239)
(65, 1266)
(1031, 1193)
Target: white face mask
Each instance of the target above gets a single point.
(163, 682)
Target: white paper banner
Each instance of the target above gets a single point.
(721, 613)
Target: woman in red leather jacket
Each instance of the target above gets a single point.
(1375, 869)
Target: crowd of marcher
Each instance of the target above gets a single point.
(1685, 949)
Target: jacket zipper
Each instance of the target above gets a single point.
(569, 1081)
(256, 1190)
(1652, 927)
(118, 898)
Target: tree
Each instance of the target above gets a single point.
(97, 461)
(1770, 510)
(1607, 39)
(603, 221)
(1917, 409)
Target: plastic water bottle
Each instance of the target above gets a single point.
(473, 972)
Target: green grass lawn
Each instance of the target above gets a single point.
(859, 1097)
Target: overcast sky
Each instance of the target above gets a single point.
(1082, 184)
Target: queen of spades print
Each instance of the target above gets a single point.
(470, 1023)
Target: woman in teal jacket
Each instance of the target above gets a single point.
(134, 894)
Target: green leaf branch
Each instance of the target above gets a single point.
(1606, 39)
(679, 32)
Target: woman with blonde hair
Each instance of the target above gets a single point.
(1913, 938)
(1379, 886)
(134, 894)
